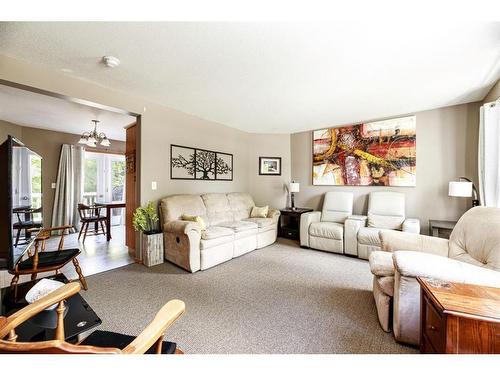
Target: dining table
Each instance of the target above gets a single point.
(109, 206)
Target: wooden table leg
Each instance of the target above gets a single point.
(108, 223)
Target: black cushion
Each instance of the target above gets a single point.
(105, 339)
(50, 258)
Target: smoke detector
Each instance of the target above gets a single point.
(110, 61)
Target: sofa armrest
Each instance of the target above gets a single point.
(182, 244)
(411, 225)
(181, 227)
(273, 213)
(392, 240)
(305, 221)
(351, 228)
(414, 264)
(381, 263)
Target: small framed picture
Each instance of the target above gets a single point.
(269, 166)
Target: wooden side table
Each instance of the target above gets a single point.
(289, 225)
(437, 227)
(459, 318)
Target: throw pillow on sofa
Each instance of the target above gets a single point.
(196, 219)
(259, 211)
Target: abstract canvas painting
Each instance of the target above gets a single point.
(188, 163)
(379, 153)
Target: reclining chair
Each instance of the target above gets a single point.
(471, 255)
(325, 230)
(386, 210)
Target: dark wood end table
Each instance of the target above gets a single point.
(289, 225)
(459, 318)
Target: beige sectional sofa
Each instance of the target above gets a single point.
(230, 231)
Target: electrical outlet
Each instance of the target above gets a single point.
(53, 185)
(153, 185)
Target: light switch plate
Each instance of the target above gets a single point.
(153, 185)
(53, 185)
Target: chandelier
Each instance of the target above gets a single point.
(93, 138)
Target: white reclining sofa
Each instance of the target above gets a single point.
(386, 210)
(230, 231)
(471, 256)
(324, 230)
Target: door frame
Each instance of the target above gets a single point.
(92, 104)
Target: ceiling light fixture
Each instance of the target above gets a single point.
(93, 138)
(110, 61)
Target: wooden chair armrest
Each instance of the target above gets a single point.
(14, 320)
(46, 233)
(154, 332)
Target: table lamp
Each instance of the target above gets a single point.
(463, 188)
(294, 188)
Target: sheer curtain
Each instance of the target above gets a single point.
(68, 187)
(489, 154)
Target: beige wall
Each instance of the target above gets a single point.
(494, 93)
(268, 190)
(47, 144)
(162, 126)
(446, 149)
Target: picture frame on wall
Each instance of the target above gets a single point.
(189, 163)
(269, 166)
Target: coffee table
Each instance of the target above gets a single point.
(79, 316)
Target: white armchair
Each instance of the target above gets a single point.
(471, 255)
(386, 210)
(325, 230)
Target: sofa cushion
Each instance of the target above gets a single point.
(385, 221)
(476, 238)
(261, 221)
(173, 207)
(218, 209)
(327, 229)
(215, 232)
(386, 284)
(241, 204)
(239, 226)
(337, 206)
(207, 244)
(369, 236)
(381, 263)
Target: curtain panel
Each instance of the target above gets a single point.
(489, 154)
(68, 187)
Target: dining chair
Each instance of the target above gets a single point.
(149, 341)
(91, 215)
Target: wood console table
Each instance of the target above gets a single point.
(459, 318)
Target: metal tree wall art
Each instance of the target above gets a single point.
(196, 164)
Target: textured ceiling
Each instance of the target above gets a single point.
(45, 112)
(274, 77)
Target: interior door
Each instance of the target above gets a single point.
(130, 186)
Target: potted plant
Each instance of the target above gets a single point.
(145, 220)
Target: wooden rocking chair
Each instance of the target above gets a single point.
(39, 260)
(149, 341)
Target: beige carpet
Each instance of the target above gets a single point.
(280, 299)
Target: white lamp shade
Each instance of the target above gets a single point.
(83, 141)
(294, 187)
(105, 142)
(460, 189)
